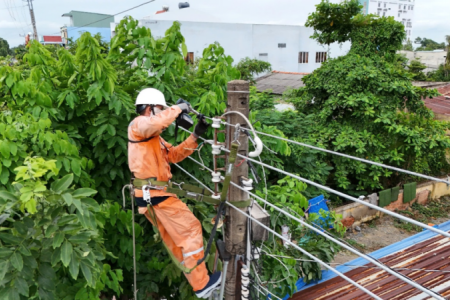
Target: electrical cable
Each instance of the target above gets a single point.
(323, 233)
(348, 156)
(312, 256)
(388, 212)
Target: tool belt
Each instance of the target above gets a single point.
(184, 190)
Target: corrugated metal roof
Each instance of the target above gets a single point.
(440, 104)
(425, 251)
(279, 82)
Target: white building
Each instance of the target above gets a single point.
(288, 48)
(401, 10)
(431, 59)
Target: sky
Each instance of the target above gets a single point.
(430, 19)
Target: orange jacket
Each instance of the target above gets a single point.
(151, 159)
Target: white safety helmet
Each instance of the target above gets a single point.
(150, 96)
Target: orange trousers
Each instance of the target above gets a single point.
(181, 231)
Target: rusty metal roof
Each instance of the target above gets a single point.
(441, 104)
(426, 251)
(278, 81)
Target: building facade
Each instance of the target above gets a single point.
(287, 48)
(401, 10)
(80, 21)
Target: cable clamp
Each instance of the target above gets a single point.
(215, 176)
(216, 123)
(237, 131)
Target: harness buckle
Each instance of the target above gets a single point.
(178, 184)
(146, 194)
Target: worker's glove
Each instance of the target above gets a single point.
(185, 108)
(201, 126)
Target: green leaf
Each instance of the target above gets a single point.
(4, 149)
(24, 250)
(74, 266)
(10, 239)
(50, 230)
(8, 196)
(22, 286)
(4, 252)
(66, 219)
(77, 204)
(62, 184)
(111, 130)
(21, 228)
(83, 192)
(83, 237)
(17, 261)
(76, 167)
(58, 239)
(4, 266)
(86, 272)
(67, 198)
(66, 253)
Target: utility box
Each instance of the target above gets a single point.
(258, 232)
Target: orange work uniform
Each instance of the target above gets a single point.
(180, 230)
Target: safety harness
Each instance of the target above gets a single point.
(194, 193)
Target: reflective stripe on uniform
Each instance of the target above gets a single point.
(192, 252)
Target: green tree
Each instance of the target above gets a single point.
(4, 47)
(428, 44)
(249, 68)
(416, 67)
(364, 104)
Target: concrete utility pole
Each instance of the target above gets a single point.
(236, 223)
(33, 20)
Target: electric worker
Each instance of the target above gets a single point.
(149, 156)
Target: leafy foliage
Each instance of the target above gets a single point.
(364, 104)
(416, 67)
(249, 68)
(4, 48)
(428, 44)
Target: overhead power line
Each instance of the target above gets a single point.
(299, 248)
(113, 15)
(331, 238)
(347, 156)
(325, 188)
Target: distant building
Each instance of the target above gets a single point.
(278, 82)
(51, 40)
(287, 48)
(401, 10)
(81, 21)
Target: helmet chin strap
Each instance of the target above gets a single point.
(152, 107)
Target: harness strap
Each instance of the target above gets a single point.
(189, 191)
(142, 141)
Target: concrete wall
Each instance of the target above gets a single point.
(432, 59)
(252, 40)
(355, 213)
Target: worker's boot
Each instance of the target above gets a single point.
(213, 283)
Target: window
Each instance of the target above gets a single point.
(189, 58)
(400, 6)
(379, 4)
(412, 7)
(399, 15)
(384, 4)
(384, 14)
(404, 8)
(282, 45)
(321, 57)
(303, 57)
